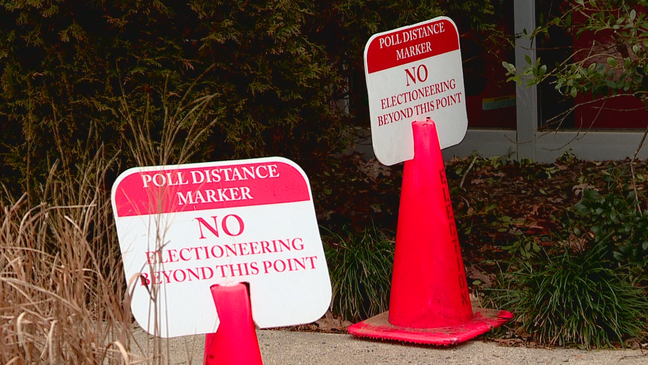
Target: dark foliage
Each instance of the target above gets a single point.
(272, 77)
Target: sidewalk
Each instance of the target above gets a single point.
(308, 348)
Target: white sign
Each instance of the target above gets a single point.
(184, 228)
(414, 73)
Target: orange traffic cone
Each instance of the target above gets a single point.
(235, 340)
(429, 300)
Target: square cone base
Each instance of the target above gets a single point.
(484, 320)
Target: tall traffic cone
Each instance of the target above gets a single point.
(429, 301)
(235, 340)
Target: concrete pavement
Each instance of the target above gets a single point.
(309, 348)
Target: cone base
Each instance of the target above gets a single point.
(484, 320)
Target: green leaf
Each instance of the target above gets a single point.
(509, 67)
(543, 70)
(611, 61)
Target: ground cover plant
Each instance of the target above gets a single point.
(573, 298)
(360, 265)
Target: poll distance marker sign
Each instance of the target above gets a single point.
(184, 228)
(412, 73)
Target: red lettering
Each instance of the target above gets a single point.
(282, 266)
(410, 76)
(301, 263)
(229, 250)
(182, 257)
(291, 264)
(265, 247)
(193, 274)
(204, 275)
(283, 245)
(175, 276)
(225, 224)
(231, 268)
(222, 269)
(226, 229)
(172, 255)
(417, 74)
(213, 230)
(150, 257)
(217, 252)
(312, 261)
(297, 246)
(243, 249)
(144, 279)
(166, 276)
(254, 248)
(255, 268)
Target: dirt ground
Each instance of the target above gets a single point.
(496, 201)
(501, 204)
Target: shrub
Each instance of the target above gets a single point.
(360, 265)
(574, 298)
(287, 76)
(79, 71)
(618, 222)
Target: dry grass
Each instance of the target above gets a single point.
(61, 290)
(63, 297)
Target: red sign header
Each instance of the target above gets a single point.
(409, 44)
(208, 186)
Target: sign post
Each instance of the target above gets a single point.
(185, 228)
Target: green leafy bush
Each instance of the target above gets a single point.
(573, 298)
(360, 265)
(105, 73)
(618, 222)
(281, 78)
